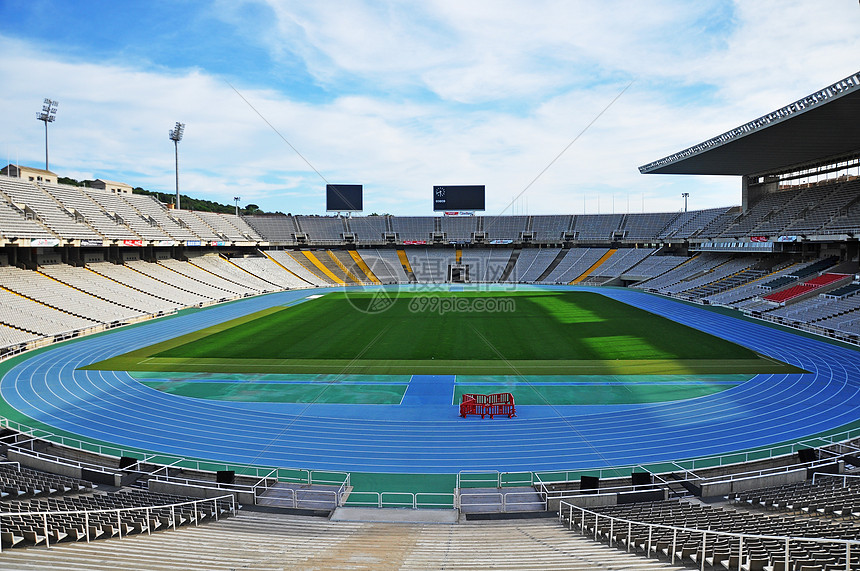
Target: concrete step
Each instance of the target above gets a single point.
(270, 541)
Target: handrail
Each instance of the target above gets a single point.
(119, 511)
(839, 438)
(850, 544)
(413, 497)
(504, 502)
(698, 481)
(264, 481)
(562, 494)
(844, 477)
(203, 483)
(500, 479)
(300, 475)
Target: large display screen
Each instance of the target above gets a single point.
(449, 197)
(344, 197)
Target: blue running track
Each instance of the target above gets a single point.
(423, 434)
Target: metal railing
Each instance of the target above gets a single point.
(119, 512)
(493, 479)
(593, 524)
(843, 477)
(263, 474)
(715, 461)
(504, 503)
(414, 500)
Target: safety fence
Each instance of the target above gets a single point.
(705, 547)
(414, 500)
(496, 404)
(263, 477)
(50, 527)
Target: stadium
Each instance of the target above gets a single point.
(667, 376)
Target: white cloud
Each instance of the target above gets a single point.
(440, 92)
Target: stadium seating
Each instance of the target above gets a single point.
(826, 496)
(430, 265)
(291, 264)
(551, 228)
(30, 210)
(322, 229)
(485, 265)
(654, 266)
(597, 226)
(844, 291)
(674, 530)
(277, 228)
(144, 227)
(806, 287)
(150, 208)
(264, 540)
(690, 224)
(228, 227)
(18, 482)
(270, 272)
(101, 516)
(35, 203)
(413, 228)
(504, 227)
(368, 229)
(227, 269)
(532, 263)
(459, 228)
(574, 264)
(211, 282)
(195, 224)
(624, 260)
(141, 281)
(385, 265)
(43, 289)
(646, 226)
(76, 200)
(14, 224)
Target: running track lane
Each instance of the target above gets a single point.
(111, 406)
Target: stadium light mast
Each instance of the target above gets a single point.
(176, 136)
(237, 199)
(47, 115)
(686, 195)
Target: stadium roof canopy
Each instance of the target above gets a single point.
(822, 126)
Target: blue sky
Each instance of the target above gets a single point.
(400, 96)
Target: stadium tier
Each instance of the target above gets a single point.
(168, 259)
(77, 215)
(55, 300)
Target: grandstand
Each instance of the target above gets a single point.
(76, 261)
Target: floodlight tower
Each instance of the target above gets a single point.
(176, 136)
(237, 199)
(686, 195)
(48, 114)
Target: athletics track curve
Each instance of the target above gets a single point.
(113, 407)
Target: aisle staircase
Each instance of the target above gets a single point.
(594, 266)
(271, 541)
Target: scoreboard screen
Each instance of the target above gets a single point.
(458, 197)
(343, 197)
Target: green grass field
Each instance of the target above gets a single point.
(474, 333)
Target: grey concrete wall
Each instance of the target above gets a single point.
(744, 484)
(195, 491)
(43, 464)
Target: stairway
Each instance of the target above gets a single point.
(273, 541)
